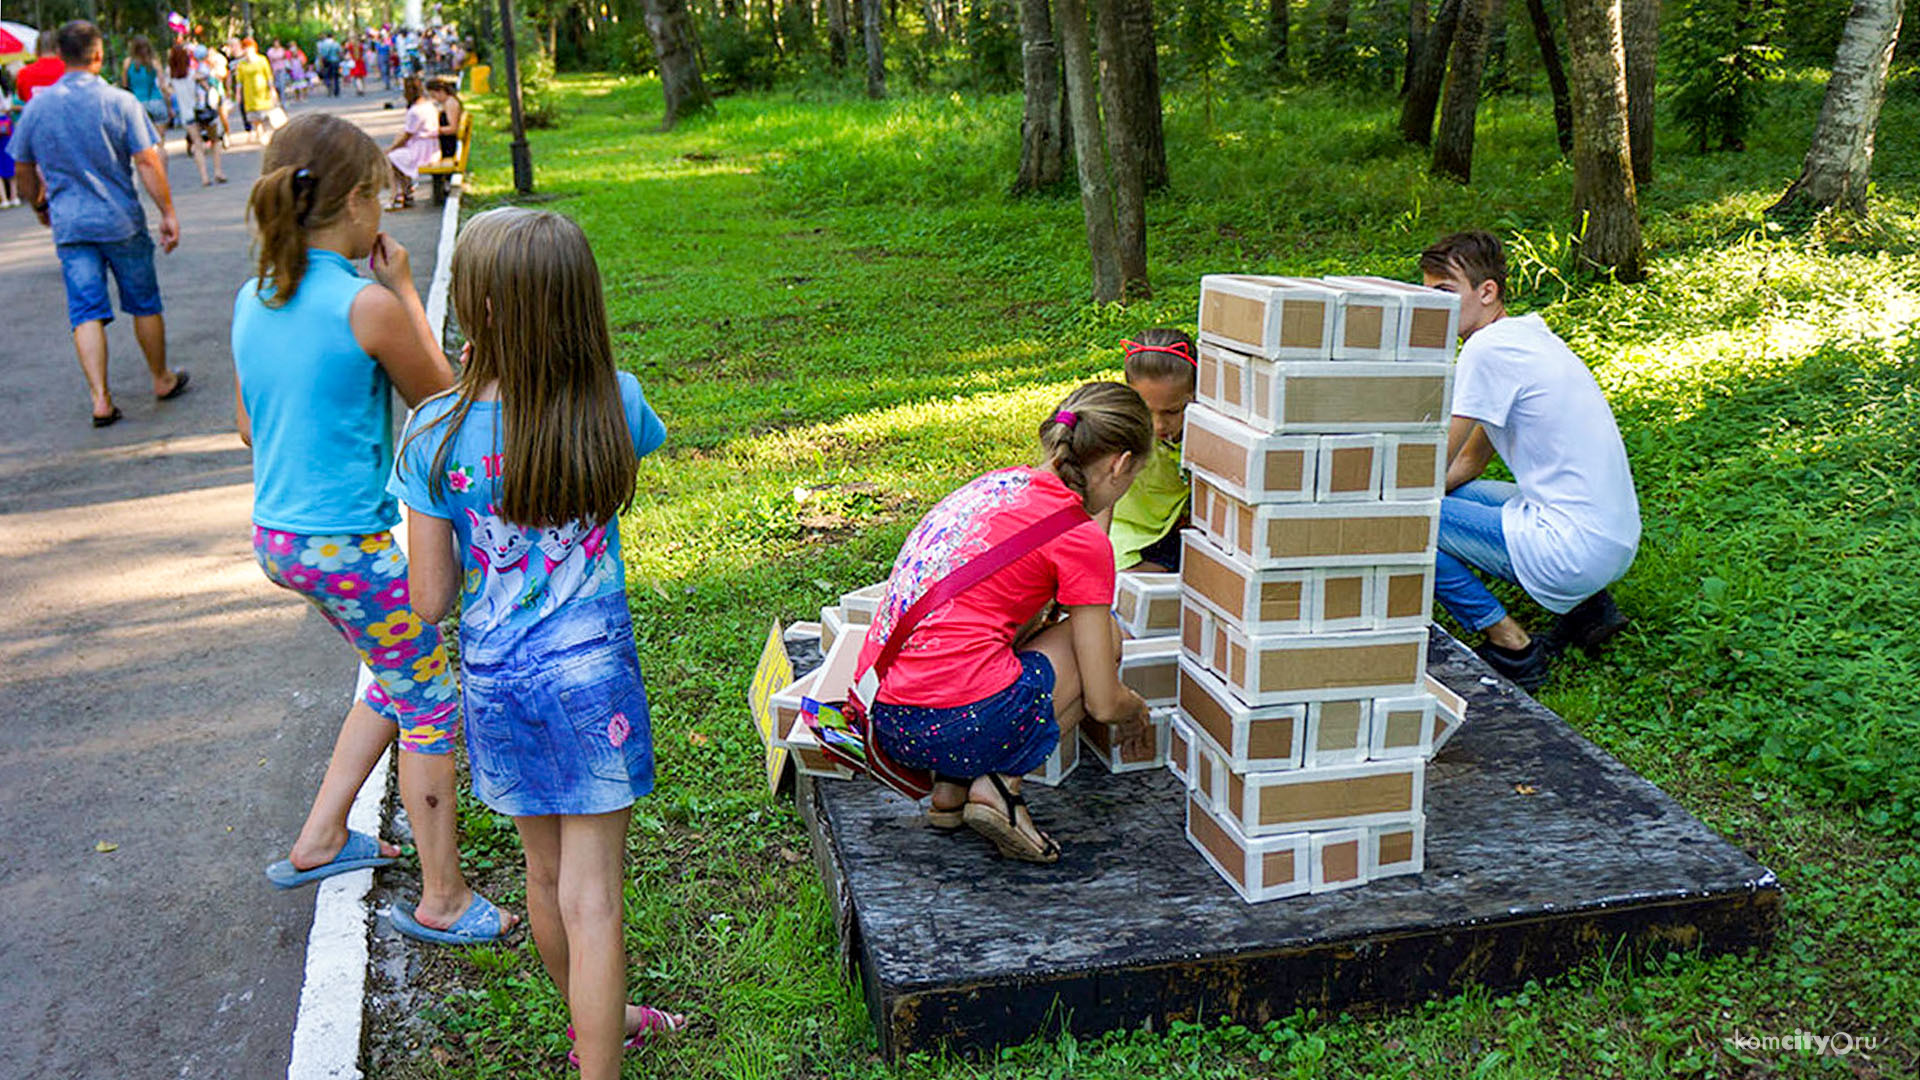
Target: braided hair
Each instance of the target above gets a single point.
(1096, 420)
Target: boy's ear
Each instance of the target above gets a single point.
(1489, 291)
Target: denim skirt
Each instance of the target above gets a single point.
(1012, 732)
(558, 723)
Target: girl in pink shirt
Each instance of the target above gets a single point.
(984, 688)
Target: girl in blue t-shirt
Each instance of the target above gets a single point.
(513, 483)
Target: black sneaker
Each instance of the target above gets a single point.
(1590, 625)
(1527, 669)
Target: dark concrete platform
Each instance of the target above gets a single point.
(1132, 928)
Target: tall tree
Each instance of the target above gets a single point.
(676, 52)
(1416, 40)
(1549, 45)
(1142, 91)
(1840, 160)
(1453, 147)
(1423, 93)
(1278, 12)
(876, 55)
(1083, 112)
(1122, 124)
(1606, 208)
(1640, 27)
(1043, 136)
(837, 34)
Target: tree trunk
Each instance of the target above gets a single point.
(1606, 210)
(1143, 91)
(1042, 139)
(876, 57)
(1125, 154)
(1840, 160)
(1278, 12)
(1556, 73)
(1640, 28)
(837, 34)
(673, 51)
(1423, 93)
(1416, 40)
(1083, 108)
(1453, 147)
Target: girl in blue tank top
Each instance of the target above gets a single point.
(318, 350)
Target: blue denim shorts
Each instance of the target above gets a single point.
(1011, 733)
(560, 725)
(85, 267)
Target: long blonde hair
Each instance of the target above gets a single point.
(307, 175)
(527, 293)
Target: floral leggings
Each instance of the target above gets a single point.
(360, 584)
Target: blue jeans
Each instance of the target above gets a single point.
(1472, 538)
(85, 267)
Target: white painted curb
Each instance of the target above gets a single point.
(326, 1031)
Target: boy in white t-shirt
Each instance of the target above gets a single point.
(1570, 523)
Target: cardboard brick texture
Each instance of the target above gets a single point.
(1266, 868)
(1294, 535)
(1278, 318)
(1250, 739)
(1250, 465)
(1333, 797)
(1147, 604)
(1429, 320)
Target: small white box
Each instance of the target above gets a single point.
(1264, 739)
(833, 623)
(1330, 797)
(1413, 467)
(1262, 868)
(1199, 637)
(1429, 324)
(1110, 746)
(1222, 382)
(1449, 713)
(1348, 397)
(1402, 727)
(1274, 668)
(1366, 325)
(1059, 764)
(1348, 468)
(1179, 747)
(1393, 850)
(1151, 668)
(1403, 596)
(860, 605)
(1337, 859)
(1279, 318)
(1147, 605)
(1208, 775)
(1261, 601)
(1338, 733)
(1252, 466)
(1281, 536)
(1343, 598)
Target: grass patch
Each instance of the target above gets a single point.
(840, 315)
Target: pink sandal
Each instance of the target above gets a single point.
(651, 1020)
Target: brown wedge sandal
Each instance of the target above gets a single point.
(1002, 828)
(951, 821)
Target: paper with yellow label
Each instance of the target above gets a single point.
(773, 674)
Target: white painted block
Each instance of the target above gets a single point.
(1251, 465)
(1348, 397)
(1281, 536)
(1330, 797)
(1272, 669)
(1366, 324)
(1151, 668)
(1179, 747)
(1059, 764)
(1413, 467)
(860, 605)
(1222, 382)
(1343, 598)
(1232, 589)
(1337, 859)
(833, 623)
(1393, 850)
(1263, 739)
(1429, 325)
(1402, 727)
(1403, 596)
(1449, 713)
(1258, 868)
(1348, 468)
(1279, 318)
(1337, 733)
(1147, 605)
(1110, 745)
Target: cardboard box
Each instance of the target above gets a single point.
(1348, 397)
(1179, 746)
(860, 605)
(1221, 380)
(1264, 739)
(1196, 632)
(1334, 797)
(1403, 596)
(1402, 728)
(1111, 745)
(1059, 764)
(1151, 667)
(1366, 325)
(1342, 598)
(836, 671)
(1252, 466)
(1294, 535)
(801, 631)
(1207, 774)
(795, 736)
(1266, 868)
(1429, 325)
(1449, 713)
(833, 622)
(1337, 859)
(1349, 468)
(1263, 601)
(1279, 318)
(1393, 850)
(1269, 669)
(1338, 733)
(1413, 467)
(1148, 605)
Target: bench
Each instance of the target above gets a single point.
(440, 168)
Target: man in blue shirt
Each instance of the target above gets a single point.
(78, 143)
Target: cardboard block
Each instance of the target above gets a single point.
(836, 671)
(1298, 535)
(1337, 859)
(1222, 382)
(1349, 468)
(1059, 764)
(1402, 728)
(1366, 324)
(1342, 598)
(833, 622)
(1278, 318)
(1196, 632)
(1403, 595)
(1148, 605)
(797, 737)
(1264, 868)
(1207, 774)
(1348, 397)
(1268, 669)
(1333, 797)
(1252, 466)
(1122, 751)
(1413, 467)
(1449, 712)
(1263, 601)
(1179, 746)
(1151, 667)
(1338, 733)
(1264, 739)
(860, 605)
(802, 631)
(1429, 320)
(1392, 850)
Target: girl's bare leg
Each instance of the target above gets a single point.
(362, 739)
(592, 857)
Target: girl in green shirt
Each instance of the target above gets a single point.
(1146, 521)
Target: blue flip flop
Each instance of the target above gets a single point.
(480, 924)
(360, 852)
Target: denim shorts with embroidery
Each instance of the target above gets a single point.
(559, 724)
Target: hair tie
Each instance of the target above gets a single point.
(1066, 416)
(303, 185)
(1180, 349)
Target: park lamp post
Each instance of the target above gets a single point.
(522, 158)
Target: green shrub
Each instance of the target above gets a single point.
(1723, 55)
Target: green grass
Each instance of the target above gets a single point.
(840, 315)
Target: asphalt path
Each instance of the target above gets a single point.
(156, 693)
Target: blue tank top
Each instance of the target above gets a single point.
(322, 409)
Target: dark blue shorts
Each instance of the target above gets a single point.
(1011, 733)
(85, 267)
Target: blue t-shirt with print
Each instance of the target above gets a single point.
(514, 576)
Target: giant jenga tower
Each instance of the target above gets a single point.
(1317, 446)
